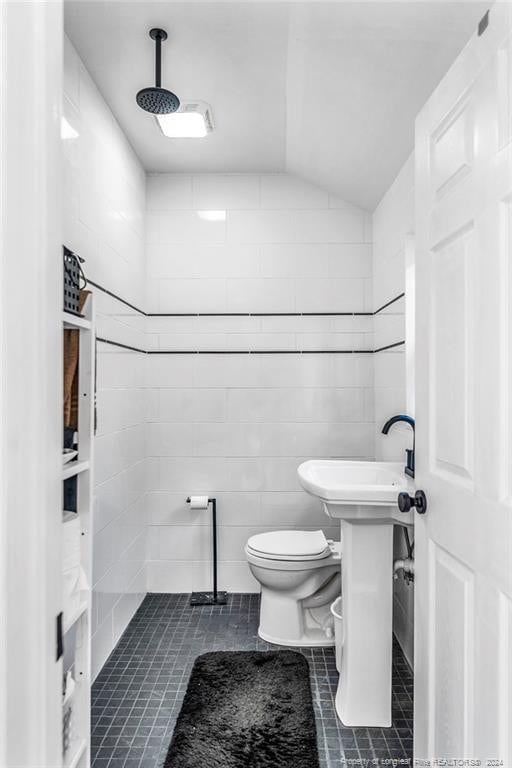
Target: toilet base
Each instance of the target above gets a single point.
(284, 620)
(314, 638)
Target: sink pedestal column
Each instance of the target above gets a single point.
(363, 697)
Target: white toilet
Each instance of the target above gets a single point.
(300, 576)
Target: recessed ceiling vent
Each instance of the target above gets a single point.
(202, 108)
(193, 120)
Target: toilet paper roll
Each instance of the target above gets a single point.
(199, 502)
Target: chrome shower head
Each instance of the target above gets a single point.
(155, 99)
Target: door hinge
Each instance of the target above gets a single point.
(483, 24)
(59, 637)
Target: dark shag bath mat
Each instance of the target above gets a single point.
(246, 709)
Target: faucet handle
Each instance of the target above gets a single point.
(410, 463)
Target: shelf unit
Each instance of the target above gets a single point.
(74, 468)
(71, 321)
(76, 625)
(72, 618)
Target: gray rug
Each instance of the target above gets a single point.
(246, 709)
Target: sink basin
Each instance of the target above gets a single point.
(358, 490)
(362, 495)
(353, 482)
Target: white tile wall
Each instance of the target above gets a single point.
(237, 426)
(393, 222)
(232, 425)
(104, 222)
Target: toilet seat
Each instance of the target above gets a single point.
(292, 546)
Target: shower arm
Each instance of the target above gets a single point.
(158, 35)
(158, 62)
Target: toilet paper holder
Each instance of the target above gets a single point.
(215, 597)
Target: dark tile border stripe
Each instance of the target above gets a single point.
(389, 303)
(242, 314)
(115, 296)
(259, 314)
(250, 351)
(123, 346)
(247, 314)
(389, 346)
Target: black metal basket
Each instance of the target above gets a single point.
(74, 280)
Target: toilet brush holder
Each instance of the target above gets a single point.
(215, 597)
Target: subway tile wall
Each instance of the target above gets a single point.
(393, 227)
(104, 222)
(236, 426)
(230, 425)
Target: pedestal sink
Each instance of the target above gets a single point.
(362, 495)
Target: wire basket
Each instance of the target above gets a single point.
(74, 281)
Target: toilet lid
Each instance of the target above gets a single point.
(290, 545)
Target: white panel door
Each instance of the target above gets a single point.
(463, 621)
(31, 36)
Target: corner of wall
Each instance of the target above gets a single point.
(393, 226)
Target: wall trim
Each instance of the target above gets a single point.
(389, 303)
(389, 346)
(123, 346)
(246, 314)
(115, 296)
(249, 351)
(242, 314)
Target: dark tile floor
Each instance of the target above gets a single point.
(137, 695)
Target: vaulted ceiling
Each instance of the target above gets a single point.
(326, 90)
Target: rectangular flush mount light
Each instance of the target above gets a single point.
(193, 120)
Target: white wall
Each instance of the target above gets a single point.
(393, 228)
(238, 426)
(30, 381)
(104, 201)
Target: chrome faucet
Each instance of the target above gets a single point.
(410, 463)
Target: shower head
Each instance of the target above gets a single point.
(158, 100)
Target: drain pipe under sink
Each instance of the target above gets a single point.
(406, 565)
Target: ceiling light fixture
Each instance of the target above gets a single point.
(193, 120)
